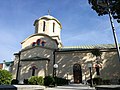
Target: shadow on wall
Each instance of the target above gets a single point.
(66, 61)
(111, 68)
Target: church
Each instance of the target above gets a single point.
(43, 50)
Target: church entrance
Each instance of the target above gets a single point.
(77, 73)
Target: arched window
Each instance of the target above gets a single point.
(43, 43)
(33, 44)
(43, 26)
(38, 42)
(53, 27)
(33, 70)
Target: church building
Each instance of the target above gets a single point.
(43, 50)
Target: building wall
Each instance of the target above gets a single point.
(15, 67)
(43, 65)
(50, 43)
(49, 27)
(66, 60)
(26, 68)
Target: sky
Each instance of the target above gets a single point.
(80, 24)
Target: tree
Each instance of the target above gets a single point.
(5, 77)
(101, 7)
(96, 52)
(110, 7)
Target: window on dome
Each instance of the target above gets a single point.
(53, 27)
(38, 42)
(43, 26)
(43, 43)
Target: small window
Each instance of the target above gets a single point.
(38, 42)
(43, 43)
(33, 44)
(33, 70)
(43, 26)
(36, 28)
(53, 27)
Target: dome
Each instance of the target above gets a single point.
(48, 17)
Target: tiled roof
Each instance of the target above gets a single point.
(8, 63)
(99, 46)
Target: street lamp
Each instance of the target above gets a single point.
(90, 68)
(106, 4)
(55, 66)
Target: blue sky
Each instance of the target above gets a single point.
(80, 24)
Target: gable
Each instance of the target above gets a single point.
(39, 40)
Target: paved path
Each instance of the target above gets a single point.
(72, 87)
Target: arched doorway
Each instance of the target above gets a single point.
(77, 73)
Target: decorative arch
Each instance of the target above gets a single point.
(77, 73)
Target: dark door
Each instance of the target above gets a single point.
(77, 73)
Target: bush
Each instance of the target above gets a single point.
(25, 81)
(5, 77)
(106, 82)
(49, 80)
(61, 81)
(35, 80)
(119, 81)
(14, 81)
(97, 81)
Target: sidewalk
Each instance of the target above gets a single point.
(72, 87)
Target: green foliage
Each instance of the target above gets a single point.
(96, 52)
(61, 81)
(97, 81)
(114, 6)
(35, 80)
(14, 81)
(5, 77)
(25, 81)
(100, 81)
(106, 81)
(49, 80)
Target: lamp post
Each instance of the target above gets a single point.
(55, 66)
(90, 68)
(105, 3)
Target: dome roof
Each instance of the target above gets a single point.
(48, 17)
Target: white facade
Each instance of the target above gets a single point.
(50, 26)
(43, 49)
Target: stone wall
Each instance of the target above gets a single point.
(109, 64)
